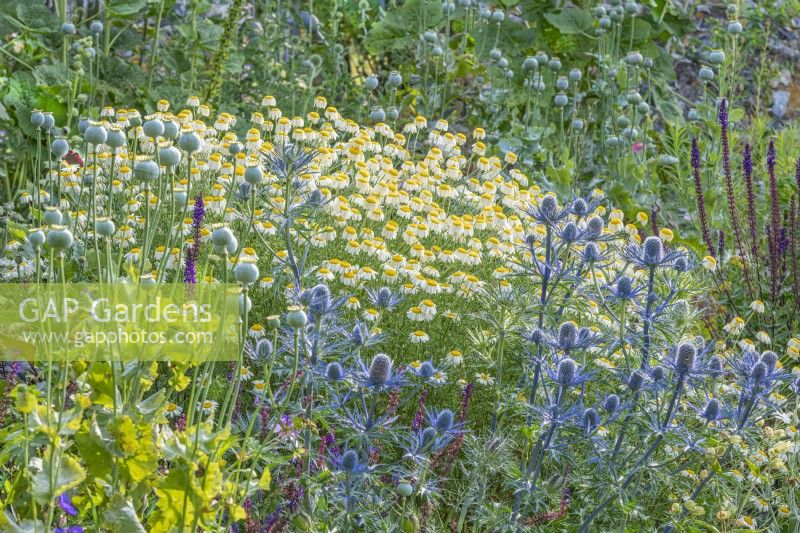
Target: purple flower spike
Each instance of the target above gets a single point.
(190, 273)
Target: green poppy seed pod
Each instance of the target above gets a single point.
(245, 304)
(530, 64)
(643, 108)
(104, 227)
(502, 62)
(180, 197)
(36, 238)
(631, 8)
(630, 132)
(380, 370)
(428, 436)
(648, 62)
(554, 64)
(377, 114)
(59, 148)
(600, 11)
(68, 28)
(758, 372)
(634, 58)
(253, 175)
(392, 113)
(273, 322)
(636, 380)
(561, 100)
(49, 122)
(575, 75)
(734, 27)
(171, 130)
(148, 281)
(498, 16)
(371, 82)
(706, 74)
(96, 27)
(716, 57)
(52, 216)
(448, 8)
(566, 371)
(694, 115)
(711, 410)
(232, 246)
(59, 238)
(562, 83)
(732, 9)
(612, 141)
(429, 36)
(394, 80)
(153, 128)
(296, 318)
(115, 138)
(334, 372)
(95, 135)
(604, 23)
(82, 125)
(222, 236)
(567, 335)
(653, 250)
(146, 171)
(633, 97)
(246, 272)
(770, 359)
(495, 54)
(444, 422)
(234, 148)
(685, 357)
(189, 142)
(405, 489)
(170, 156)
(37, 119)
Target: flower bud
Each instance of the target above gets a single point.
(380, 371)
(611, 403)
(566, 372)
(567, 335)
(685, 357)
(349, 461)
(444, 422)
(334, 372)
(636, 380)
(653, 250)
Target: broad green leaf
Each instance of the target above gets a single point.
(392, 32)
(122, 8)
(69, 475)
(120, 515)
(571, 20)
